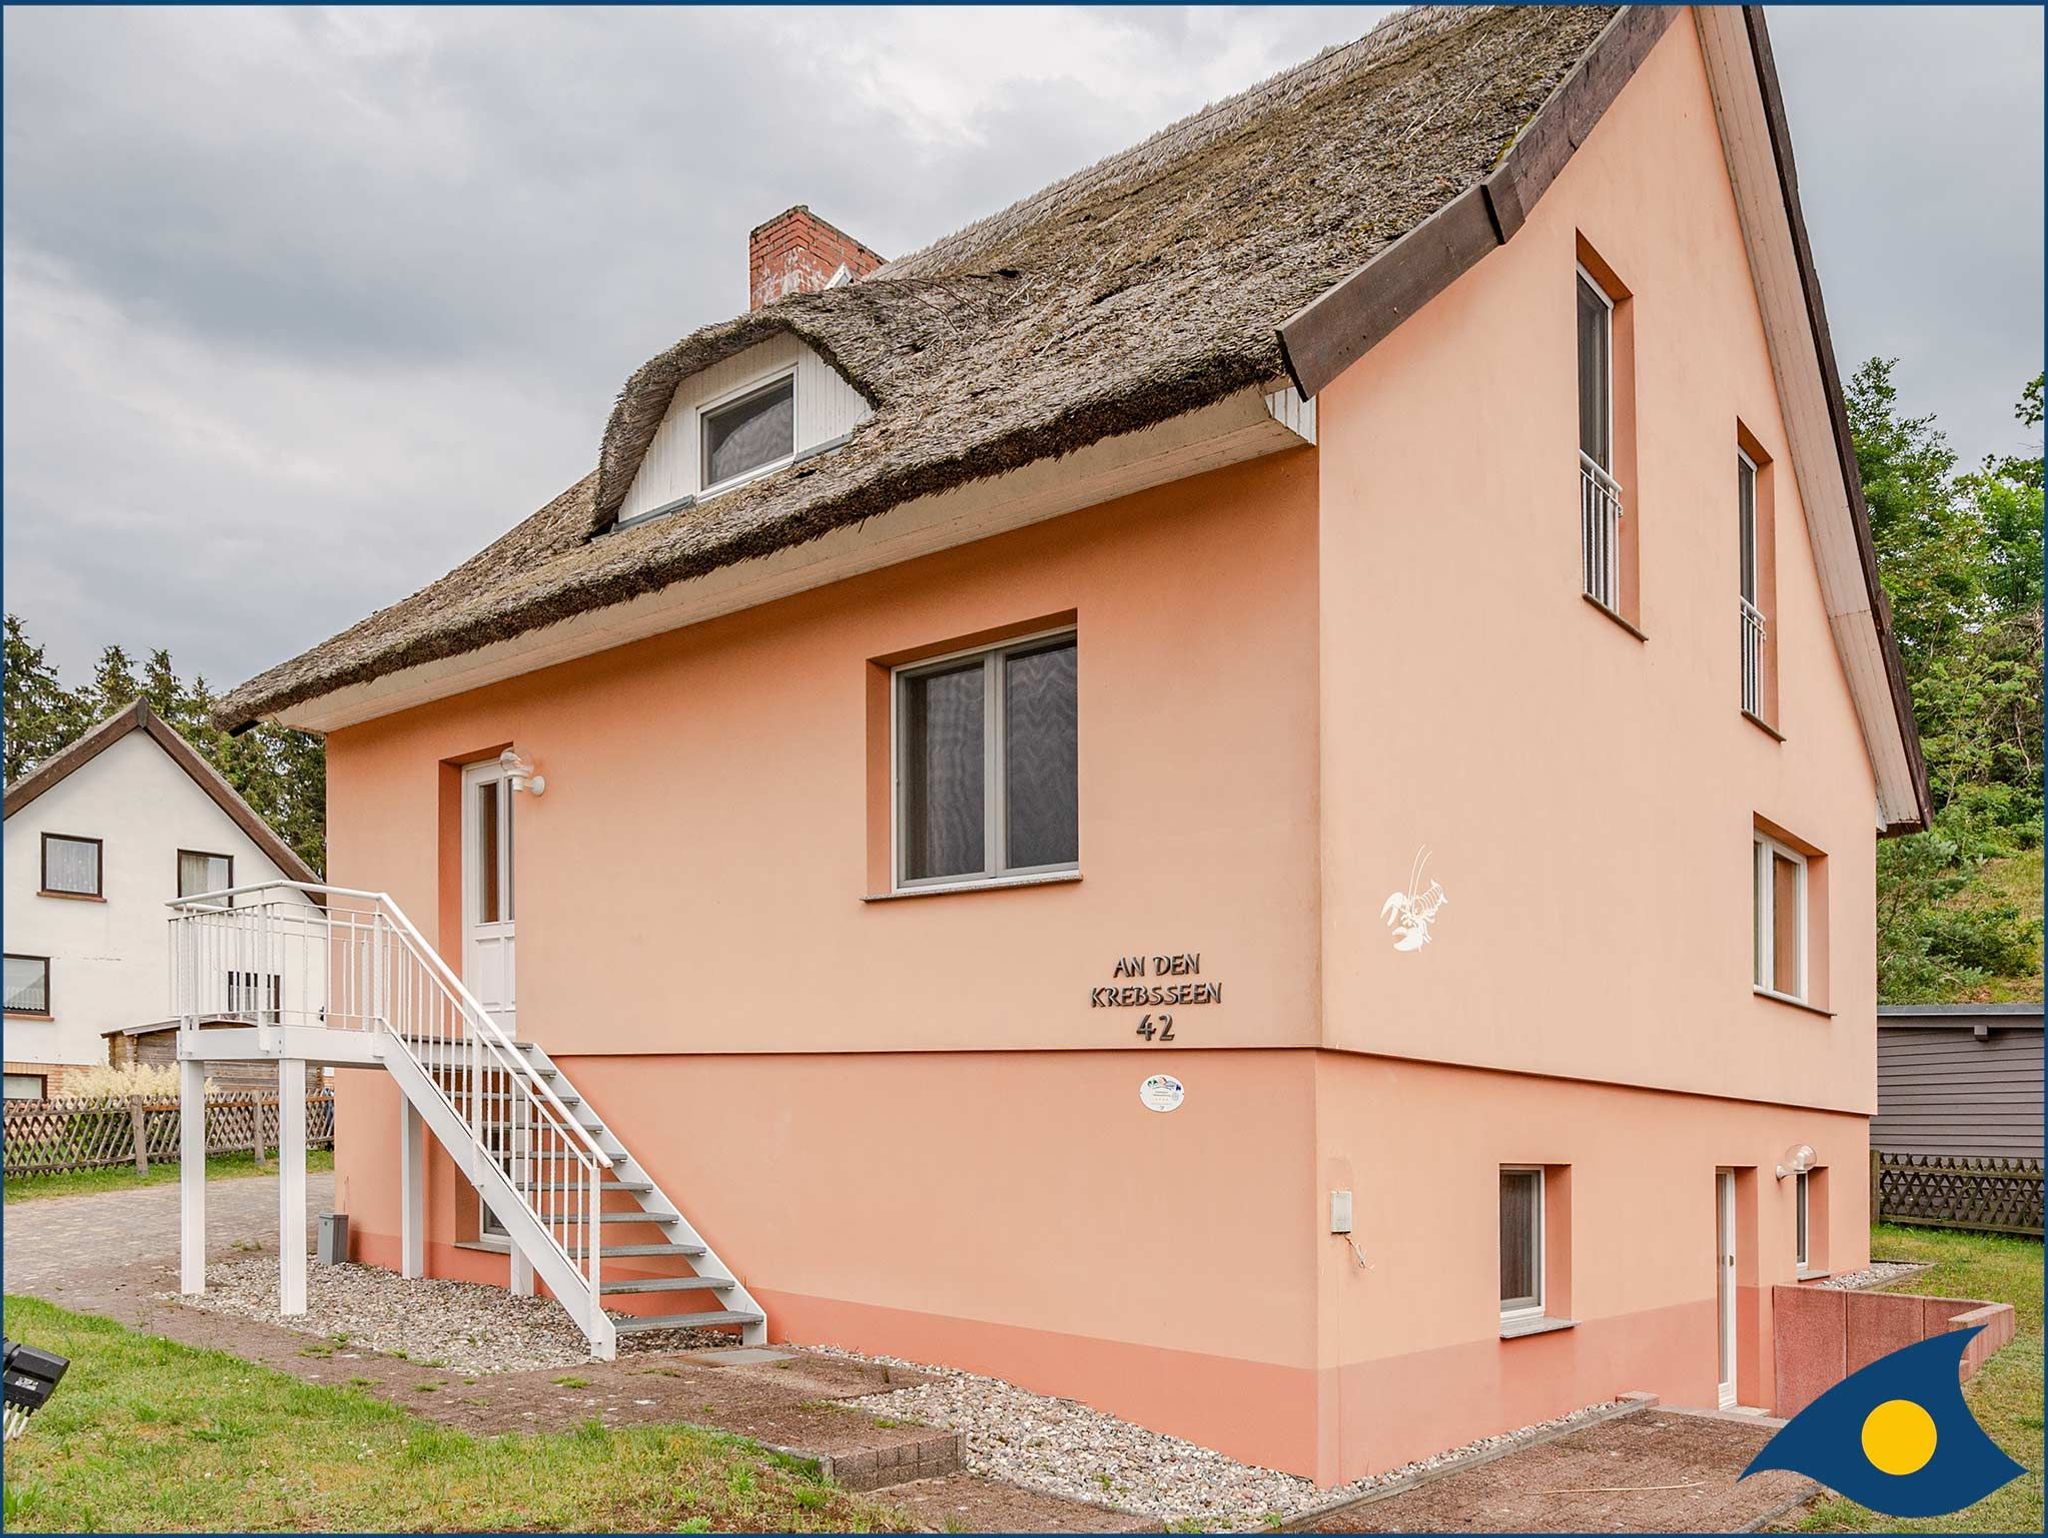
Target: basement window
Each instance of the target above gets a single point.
(750, 434)
(987, 778)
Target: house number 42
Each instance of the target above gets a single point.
(1156, 1027)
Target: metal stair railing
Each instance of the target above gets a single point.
(298, 954)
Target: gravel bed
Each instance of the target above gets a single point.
(464, 1326)
(1876, 1274)
(1067, 1449)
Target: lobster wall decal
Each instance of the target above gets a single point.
(1409, 914)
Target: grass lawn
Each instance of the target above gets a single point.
(122, 1177)
(145, 1435)
(2005, 1396)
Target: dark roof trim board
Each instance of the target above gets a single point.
(1980, 1018)
(1329, 334)
(60, 766)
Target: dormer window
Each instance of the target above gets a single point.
(754, 431)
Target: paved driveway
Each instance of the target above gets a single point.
(58, 1245)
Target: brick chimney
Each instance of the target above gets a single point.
(796, 252)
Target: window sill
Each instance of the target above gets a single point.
(1541, 1324)
(1615, 616)
(1804, 1275)
(486, 1246)
(1791, 1003)
(991, 884)
(28, 1014)
(1763, 726)
(74, 897)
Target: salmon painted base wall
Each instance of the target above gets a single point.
(1022, 1214)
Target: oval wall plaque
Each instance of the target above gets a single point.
(1162, 1092)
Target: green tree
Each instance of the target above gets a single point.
(41, 714)
(1960, 558)
(113, 683)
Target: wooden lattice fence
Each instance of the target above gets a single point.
(2000, 1196)
(46, 1137)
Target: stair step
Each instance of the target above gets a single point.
(668, 1284)
(706, 1321)
(492, 1097)
(638, 1217)
(442, 1041)
(577, 1185)
(621, 1251)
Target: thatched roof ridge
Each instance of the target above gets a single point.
(1145, 287)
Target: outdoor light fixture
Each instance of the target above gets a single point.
(520, 772)
(31, 1379)
(1798, 1160)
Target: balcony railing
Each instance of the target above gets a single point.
(1752, 658)
(1600, 533)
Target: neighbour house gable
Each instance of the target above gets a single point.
(138, 717)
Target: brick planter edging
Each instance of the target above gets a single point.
(873, 1468)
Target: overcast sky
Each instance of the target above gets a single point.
(304, 307)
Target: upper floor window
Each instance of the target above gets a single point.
(1780, 936)
(28, 985)
(753, 432)
(987, 766)
(1752, 614)
(1606, 392)
(71, 866)
(200, 872)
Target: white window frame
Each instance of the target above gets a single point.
(994, 769)
(1606, 299)
(1751, 579)
(1535, 1310)
(710, 408)
(1764, 937)
(1802, 1222)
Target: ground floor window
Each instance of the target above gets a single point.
(1802, 1197)
(27, 1086)
(987, 780)
(28, 985)
(1521, 1242)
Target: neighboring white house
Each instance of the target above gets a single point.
(99, 838)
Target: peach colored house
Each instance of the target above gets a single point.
(1246, 792)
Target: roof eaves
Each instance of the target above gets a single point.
(1838, 412)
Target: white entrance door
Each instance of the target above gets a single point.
(487, 943)
(1724, 1279)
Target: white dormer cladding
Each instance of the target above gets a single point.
(827, 409)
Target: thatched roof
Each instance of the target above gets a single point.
(1144, 287)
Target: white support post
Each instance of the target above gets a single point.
(522, 1273)
(191, 1177)
(291, 1185)
(412, 1191)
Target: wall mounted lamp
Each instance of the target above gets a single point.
(520, 772)
(1798, 1160)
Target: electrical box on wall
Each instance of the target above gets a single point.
(1340, 1212)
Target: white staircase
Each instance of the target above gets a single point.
(285, 970)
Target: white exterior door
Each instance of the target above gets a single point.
(1724, 1279)
(487, 908)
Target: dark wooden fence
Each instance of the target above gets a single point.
(45, 1137)
(1999, 1196)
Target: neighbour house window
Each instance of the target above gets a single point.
(1600, 508)
(1780, 931)
(28, 985)
(28, 1086)
(1752, 613)
(1521, 1242)
(750, 433)
(987, 779)
(199, 872)
(71, 866)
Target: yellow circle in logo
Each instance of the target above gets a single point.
(1898, 1436)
